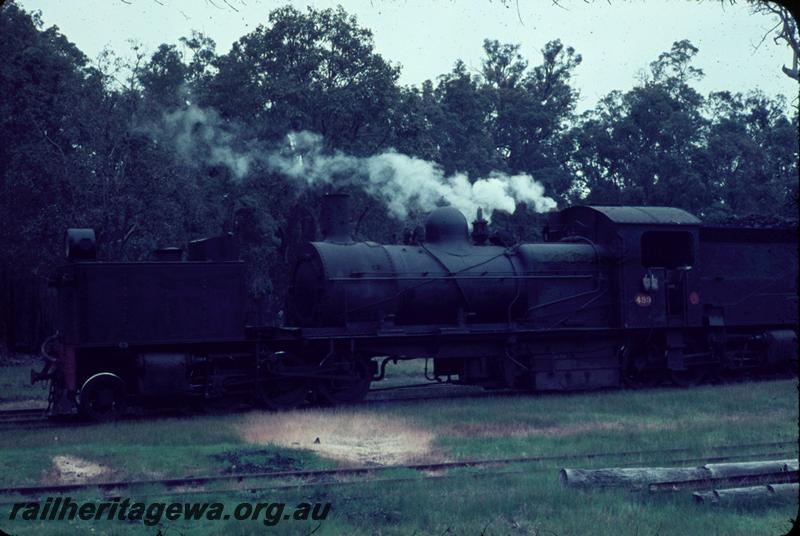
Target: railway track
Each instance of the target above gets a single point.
(443, 391)
(251, 482)
(430, 391)
(36, 418)
(22, 416)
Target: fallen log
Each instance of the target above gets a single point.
(723, 470)
(749, 479)
(624, 476)
(750, 494)
(642, 476)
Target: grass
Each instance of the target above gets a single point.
(140, 450)
(617, 420)
(469, 501)
(526, 503)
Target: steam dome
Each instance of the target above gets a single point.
(446, 224)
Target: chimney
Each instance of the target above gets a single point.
(335, 222)
(480, 229)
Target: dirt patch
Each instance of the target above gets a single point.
(74, 470)
(346, 435)
(522, 430)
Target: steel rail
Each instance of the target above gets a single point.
(239, 477)
(335, 483)
(16, 416)
(483, 474)
(37, 417)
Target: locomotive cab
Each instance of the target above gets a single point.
(654, 251)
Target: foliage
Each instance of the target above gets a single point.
(785, 30)
(662, 143)
(315, 71)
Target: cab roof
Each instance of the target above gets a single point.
(629, 215)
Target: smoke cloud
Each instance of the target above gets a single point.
(402, 182)
(200, 137)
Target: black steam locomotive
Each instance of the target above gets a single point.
(613, 296)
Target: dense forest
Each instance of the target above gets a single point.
(153, 150)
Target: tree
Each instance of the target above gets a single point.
(46, 124)
(662, 143)
(200, 68)
(460, 124)
(785, 30)
(531, 110)
(642, 147)
(164, 77)
(313, 71)
(414, 121)
(752, 155)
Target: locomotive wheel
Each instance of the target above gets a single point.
(102, 397)
(642, 378)
(688, 377)
(281, 393)
(346, 391)
(637, 373)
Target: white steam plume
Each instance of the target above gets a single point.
(199, 136)
(402, 182)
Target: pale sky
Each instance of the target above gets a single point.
(617, 39)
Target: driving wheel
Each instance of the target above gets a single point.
(640, 369)
(351, 383)
(102, 397)
(279, 392)
(687, 378)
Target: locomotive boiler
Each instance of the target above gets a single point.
(447, 279)
(613, 296)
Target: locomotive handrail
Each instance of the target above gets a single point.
(441, 263)
(43, 349)
(757, 291)
(566, 298)
(579, 309)
(498, 275)
(425, 281)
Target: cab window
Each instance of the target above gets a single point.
(667, 249)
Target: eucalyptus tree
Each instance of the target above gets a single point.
(641, 147)
(315, 70)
